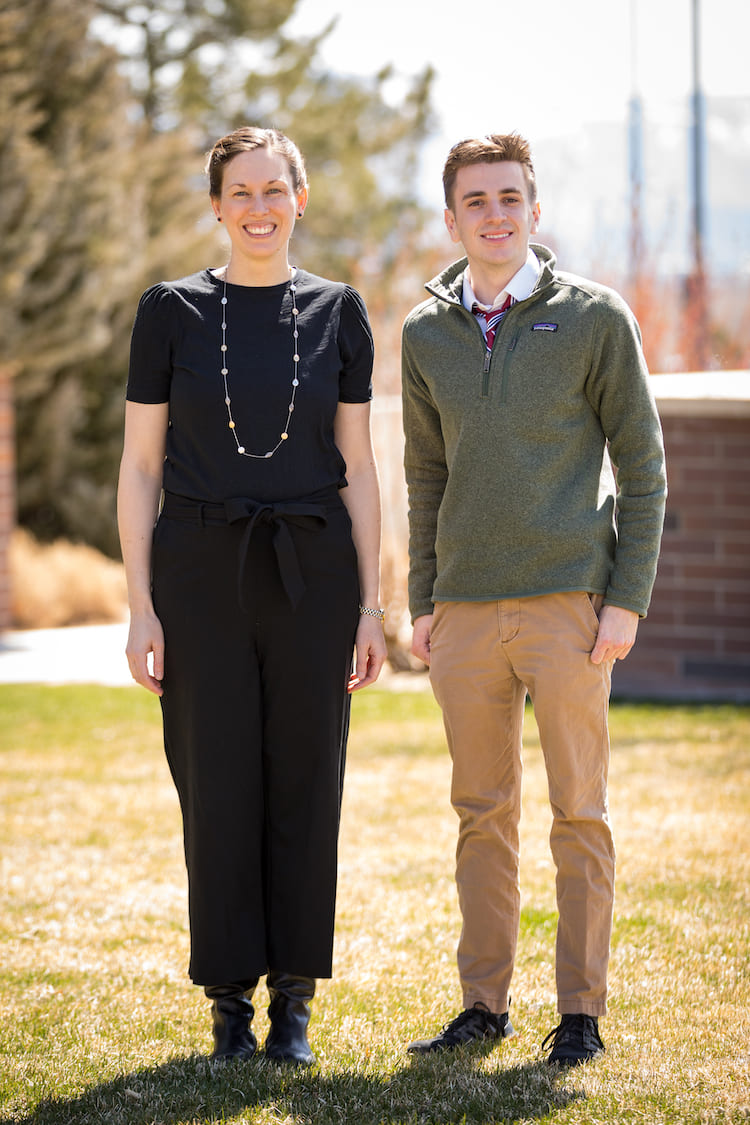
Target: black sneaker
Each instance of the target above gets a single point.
(474, 1023)
(575, 1040)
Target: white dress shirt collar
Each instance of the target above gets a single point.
(520, 286)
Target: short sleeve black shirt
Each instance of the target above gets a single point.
(176, 358)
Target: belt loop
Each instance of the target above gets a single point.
(201, 515)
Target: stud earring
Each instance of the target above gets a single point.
(218, 218)
(300, 214)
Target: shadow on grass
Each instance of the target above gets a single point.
(432, 1091)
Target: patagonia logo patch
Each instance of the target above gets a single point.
(544, 326)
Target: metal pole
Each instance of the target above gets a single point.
(697, 304)
(635, 158)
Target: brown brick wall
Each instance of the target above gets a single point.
(7, 493)
(695, 642)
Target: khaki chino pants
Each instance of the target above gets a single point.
(485, 656)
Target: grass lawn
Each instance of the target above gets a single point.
(99, 1023)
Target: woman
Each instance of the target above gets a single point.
(248, 404)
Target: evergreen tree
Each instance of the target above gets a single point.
(212, 68)
(180, 45)
(111, 106)
(69, 214)
(361, 153)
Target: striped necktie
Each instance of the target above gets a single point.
(493, 318)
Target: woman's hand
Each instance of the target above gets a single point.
(370, 652)
(362, 500)
(146, 639)
(138, 493)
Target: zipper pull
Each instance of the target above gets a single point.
(487, 358)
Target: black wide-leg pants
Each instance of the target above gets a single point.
(256, 714)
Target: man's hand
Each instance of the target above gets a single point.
(616, 636)
(420, 643)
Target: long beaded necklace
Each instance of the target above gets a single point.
(283, 436)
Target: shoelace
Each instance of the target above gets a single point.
(475, 1017)
(579, 1030)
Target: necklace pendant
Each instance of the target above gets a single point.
(224, 348)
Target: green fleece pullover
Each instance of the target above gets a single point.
(511, 487)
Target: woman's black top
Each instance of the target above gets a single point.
(176, 358)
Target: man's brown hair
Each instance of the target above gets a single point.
(492, 149)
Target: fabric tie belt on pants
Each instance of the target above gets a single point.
(310, 513)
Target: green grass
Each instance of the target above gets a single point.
(100, 1024)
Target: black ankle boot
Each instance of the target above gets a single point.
(232, 1012)
(289, 1012)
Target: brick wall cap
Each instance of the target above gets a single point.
(703, 393)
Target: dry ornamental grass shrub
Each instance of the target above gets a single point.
(63, 583)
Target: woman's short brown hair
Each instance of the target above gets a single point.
(246, 139)
(492, 149)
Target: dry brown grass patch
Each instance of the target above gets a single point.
(61, 583)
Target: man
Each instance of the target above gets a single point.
(529, 569)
